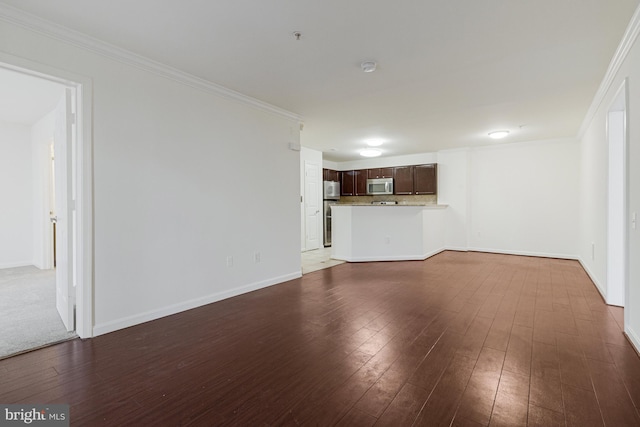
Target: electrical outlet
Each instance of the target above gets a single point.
(634, 218)
(256, 257)
(593, 250)
(387, 240)
(229, 261)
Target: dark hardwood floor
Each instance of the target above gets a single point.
(463, 339)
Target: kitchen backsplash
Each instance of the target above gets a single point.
(430, 199)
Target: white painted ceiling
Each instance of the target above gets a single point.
(449, 71)
(26, 99)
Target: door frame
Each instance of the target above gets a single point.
(318, 230)
(81, 175)
(620, 104)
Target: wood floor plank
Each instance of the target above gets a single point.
(461, 339)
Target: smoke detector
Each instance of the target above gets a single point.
(368, 66)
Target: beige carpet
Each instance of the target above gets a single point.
(28, 316)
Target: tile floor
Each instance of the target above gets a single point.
(318, 259)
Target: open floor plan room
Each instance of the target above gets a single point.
(459, 339)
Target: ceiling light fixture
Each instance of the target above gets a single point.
(498, 134)
(374, 142)
(368, 66)
(370, 152)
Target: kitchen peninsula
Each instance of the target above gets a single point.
(387, 232)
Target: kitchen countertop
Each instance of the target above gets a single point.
(431, 206)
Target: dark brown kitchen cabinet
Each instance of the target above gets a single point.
(347, 183)
(353, 183)
(361, 182)
(425, 179)
(330, 175)
(380, 173)
(403, 180)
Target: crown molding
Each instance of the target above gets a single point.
(58, 32)
(630, 36)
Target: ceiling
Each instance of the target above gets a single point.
(26, 99)
(449, 71)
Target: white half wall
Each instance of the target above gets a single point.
(16, 197)
(189, 183)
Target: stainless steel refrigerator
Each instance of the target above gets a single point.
(331, 197)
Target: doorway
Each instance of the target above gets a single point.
(617, 249)
(66, 125)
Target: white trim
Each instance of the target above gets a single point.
(52, 30)
(392, 258)
(84, 179)
(630, 35)
(524, 253)
(147, 316)
(633, 338)
(457, 248)
(594, 279)
(18, 264)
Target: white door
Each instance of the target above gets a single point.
(312, 205)
(63, 215)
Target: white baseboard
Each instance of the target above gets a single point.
(594, 279)
(392, 258)
(125, 322)
(525, 253)
(457, 248)
(16, 264)
(633, 338)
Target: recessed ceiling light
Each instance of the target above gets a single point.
(370, 152)
(368, 66)
(498, 134)
(374, 142)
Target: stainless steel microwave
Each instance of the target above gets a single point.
(380, 186)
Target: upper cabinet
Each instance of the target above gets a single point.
(347, 183)
(425, 179)
(330, 175)
(380, 173)
(361, 182)
(407, 180)
(403, 180)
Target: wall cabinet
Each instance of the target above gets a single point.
(330, 175)
(407, 180)
(361, 182)
(380, 173)
(403, 180)
(425, 179)
(347, 183)
(354, 183)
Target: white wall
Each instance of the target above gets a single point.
(594, 178)
(41, 135)
(524, 198)
(183, 179)
(382, 162)
(16, 183)
(453, 190)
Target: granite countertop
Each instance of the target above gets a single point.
(423, 205)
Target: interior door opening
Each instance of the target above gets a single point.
(617, 250)
(47, 107)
